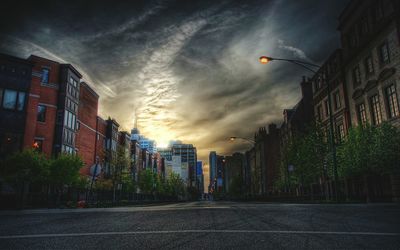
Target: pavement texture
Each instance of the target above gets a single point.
(205, 225)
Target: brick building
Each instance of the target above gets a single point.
(52, 107)
(272, 157)
(86, 136)
(297, 119)
(42, 105)
(332, 73)
(370, 38)
(233, 170)
(101, 140)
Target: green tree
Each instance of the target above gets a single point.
(23, 169)
(128, 184)
(64, 170)
(176, 185)
(28, 166)
(306, 152)
(146, 181)
(370, 150)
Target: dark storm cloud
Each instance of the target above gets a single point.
(189, 69)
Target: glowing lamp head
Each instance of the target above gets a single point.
(232, 138)
(264, 59)
(35, 145)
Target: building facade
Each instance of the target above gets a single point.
(370, 41)
(86, 135)
(188, 155)
(15, 81)
(212, 164)
(332, 73)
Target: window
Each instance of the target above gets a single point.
(38, 145)
(353, 39)
(369, 66)
(392, 101)
(67, 149)
(45, 75)
(376, 110)
(364, 26)
(21, 101)
(383, 52)
(340, 131)
(69, 120)
(326, 105)
(356, 76)
(41, 115)
(378, 11)
(10, 99)
(319, 113)
(361, 114)
(338, 103)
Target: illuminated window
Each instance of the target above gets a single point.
(361, 114)
(38, 145)
(376, 110)
(392, 101)
(340, 131)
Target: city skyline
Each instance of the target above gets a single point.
(190, 70)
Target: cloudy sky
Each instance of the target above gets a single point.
(188, 69)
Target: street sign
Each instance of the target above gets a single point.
(93, 169)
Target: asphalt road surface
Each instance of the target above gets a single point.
(205, 225)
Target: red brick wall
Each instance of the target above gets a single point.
(86, 135)
(100, 146)
(47, 96)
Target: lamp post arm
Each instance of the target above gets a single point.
(246, 139)
(303, 64)
(296, 61)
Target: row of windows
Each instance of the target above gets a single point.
(71, 105)
(337, 101)
(73, 82)
(68, 137)
(384, 58)
(13, 70)
(67, 149)
(72, 91)
(363, 27)
(12, 99)
(391, 102)
(70, 120)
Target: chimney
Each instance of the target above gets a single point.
(306, 89)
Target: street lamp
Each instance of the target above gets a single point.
(307, 65)
(233, 138)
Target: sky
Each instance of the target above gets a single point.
(188, 70)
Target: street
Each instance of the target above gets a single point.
(205, 225)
